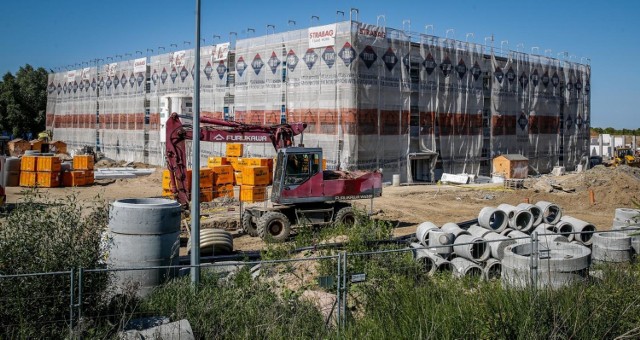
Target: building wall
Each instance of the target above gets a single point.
(371, 96)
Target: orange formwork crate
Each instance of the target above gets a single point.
(236, 163)
(206, 178)
(222, 174)
(255, 175)
(234, 150)
(89, 179)
(83, 162)
(225, 190)
(48, 179)
(250, 193)
(268, 162)
(29, 163)
(28, 178)
(214, 161)
(237, 177)
(49, 163)
(73, 178)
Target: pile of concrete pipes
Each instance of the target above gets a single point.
(483, 248)
(627, 221)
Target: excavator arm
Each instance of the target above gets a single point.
(216, 130)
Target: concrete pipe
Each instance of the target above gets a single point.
(506, 231)
(521, 220)
(478, 231)
(471, 248)
(497, 243)
(562, 264)
(535, 211)
(492, 269)
(508, 209)
(519, 236)
(564, 228)
(551, 213)
(493, 219)
(144, 216)
(422, 232)
(627, 214)
(547, 234)
(465, 268)
(611, 247)
(439, 238)
(432, 262)
(585, 229)
(454, 229)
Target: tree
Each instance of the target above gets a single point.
(23, 101)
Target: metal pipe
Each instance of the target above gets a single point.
(426, 29)
(80, 281)
(71, 303)
(467, 36)
(195, 199)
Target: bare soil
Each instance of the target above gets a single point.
(407, 206)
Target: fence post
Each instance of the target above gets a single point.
(80, 284)
(338, 292)
(71, 300)
(534, 259)
(344, 288)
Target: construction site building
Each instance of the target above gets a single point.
(373, 97)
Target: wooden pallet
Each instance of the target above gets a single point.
(514, 183)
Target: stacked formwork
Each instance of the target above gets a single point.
(372, 97)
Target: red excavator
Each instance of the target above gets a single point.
(302, 193)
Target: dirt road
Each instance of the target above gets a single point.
(407, 206)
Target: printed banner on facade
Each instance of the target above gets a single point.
(322, 36)
(220, 51)
(140, 65)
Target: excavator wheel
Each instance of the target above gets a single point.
(346, 217)
(274, 226)
(247, 224)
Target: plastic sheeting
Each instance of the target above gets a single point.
(371, 96)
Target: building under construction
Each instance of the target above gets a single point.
(373, 97)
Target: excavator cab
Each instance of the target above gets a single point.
(295, 166)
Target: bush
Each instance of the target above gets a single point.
(47, 235)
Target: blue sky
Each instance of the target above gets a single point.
(58, 33)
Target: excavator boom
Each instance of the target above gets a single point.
(280, 136)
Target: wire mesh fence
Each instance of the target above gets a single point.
(319, 292)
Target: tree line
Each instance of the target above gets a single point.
(612, 131)
(23, 101)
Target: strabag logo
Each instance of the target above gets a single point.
(329, 56)
(535, 78)
(292, 60)
(123, 80)
(221, 69)
(208, 70)
(461, 68)
(310, 58)
(140, 78)
(154, 77)
(429, 64)
(241, 66)
(322, 36)
(273, 62)
(545, 79)
(445, 66)
(523, 121)
(173, 75)
(511, 75)
(347, 54)
(498, 74)
(257, 64)
(132, 80)
(476, 71)
(555, 80)
(368, 56)
(524, 80)
(183, 73)
(389, 59)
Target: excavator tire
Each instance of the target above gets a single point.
(346, 217)
(247, 224)
(274, 226)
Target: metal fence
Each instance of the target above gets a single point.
(106, 299)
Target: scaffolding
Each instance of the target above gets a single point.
(373, 97)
